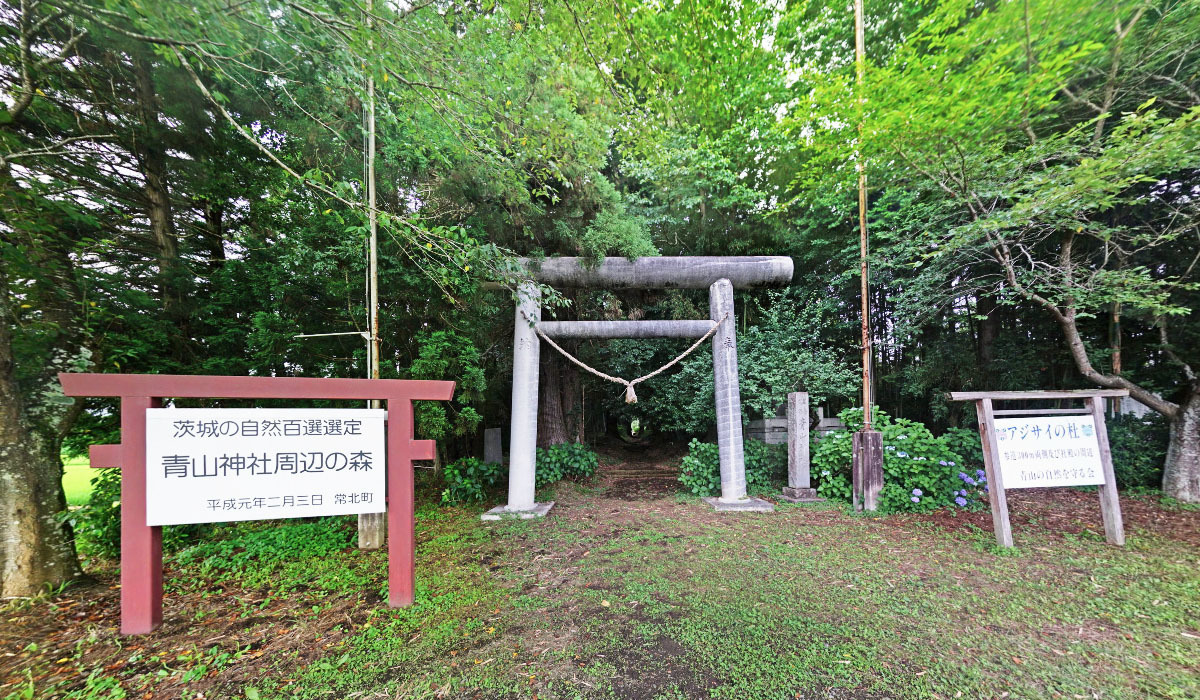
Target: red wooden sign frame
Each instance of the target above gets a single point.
(141, 544)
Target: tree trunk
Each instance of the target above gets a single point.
(572, 401)
(214, 224)
(37, 551)
(989, 330)
(552, 428)
(1181, 473)
(152, 162)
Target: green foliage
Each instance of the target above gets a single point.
(965, 443)
(1139, 448)
(921, 473)
(1062, 202)
(468, 480)
(449, 355)
(700, 472)
(784, 351)
(575, 461)
(270, 543)
(830, 459)
(97, 523)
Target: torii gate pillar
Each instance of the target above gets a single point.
(522, 442)
(719, 274)
(728, 395)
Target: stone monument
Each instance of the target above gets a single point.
(493, 451)
(799, 488)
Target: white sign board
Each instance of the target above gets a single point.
(1048, 451)
(206, 465)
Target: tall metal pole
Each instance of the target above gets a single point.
(860, 74)
(371, 526)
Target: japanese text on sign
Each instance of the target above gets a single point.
(214, 465)
(1048, 451)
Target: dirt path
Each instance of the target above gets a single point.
(640, 472)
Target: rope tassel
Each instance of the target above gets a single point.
(630, 394)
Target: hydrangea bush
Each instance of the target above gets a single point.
(470, 479)
(566, 461)
(700, 472)
(921, 473)
(965, 443)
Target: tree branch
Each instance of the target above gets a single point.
(1188, 372)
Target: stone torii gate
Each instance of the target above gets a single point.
(719, 274)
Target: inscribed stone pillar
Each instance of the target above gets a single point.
(729, 401)
(493, 449)
(372, 529)
(797, 414)
(522, 443)
(799, 486)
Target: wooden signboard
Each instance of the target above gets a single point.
(195, 465)
(209, 465)
(1049, 447)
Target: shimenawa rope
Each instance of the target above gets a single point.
(630, 394)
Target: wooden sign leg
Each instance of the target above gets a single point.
(991, 465)
(401, 507)
(141, 545)
(1110, 504)
(402, 449)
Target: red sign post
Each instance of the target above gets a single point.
(141, 544)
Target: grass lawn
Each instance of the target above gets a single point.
(77, 480)
(649, 598)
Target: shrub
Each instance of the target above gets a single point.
(965, 443)
(1139, 449)
(920, 472)
(700, 472)
(767, 463)
(566, 461)
(97, 523)
(469, 479)
(830, 452)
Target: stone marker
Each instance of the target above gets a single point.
(799, 488)
(493, 449)
(773, 431)
(372, 530)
